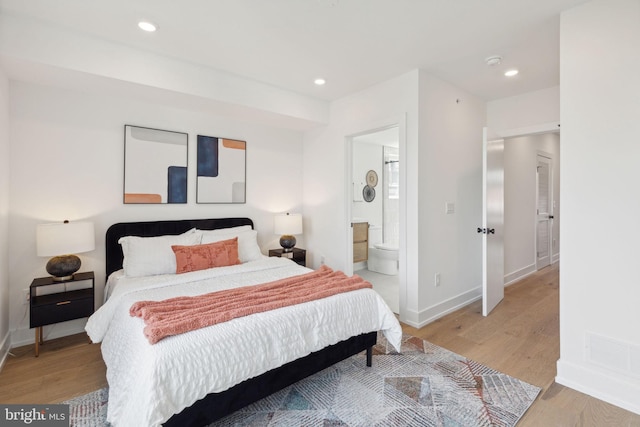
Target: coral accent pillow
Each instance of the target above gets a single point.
(201, 257)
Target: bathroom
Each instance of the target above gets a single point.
(375, 211)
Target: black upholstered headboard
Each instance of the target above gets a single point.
(114, 254)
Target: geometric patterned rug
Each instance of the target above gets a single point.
(89, 410)
(423, 385)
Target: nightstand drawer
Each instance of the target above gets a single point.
(60, 307)
(61, 311)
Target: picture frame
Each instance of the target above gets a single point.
(221, 170)
(155, 166)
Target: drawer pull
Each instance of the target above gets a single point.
(63, 302)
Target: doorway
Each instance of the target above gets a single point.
(532, 218)
(374, 204)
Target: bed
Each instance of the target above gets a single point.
(201, 376)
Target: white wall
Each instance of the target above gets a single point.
(532, 112)
(67, 152)
(4, 216)
(440, 158)
(450, 158)
(327, 187)
(520, 161)
(367, 157)
(599, 286)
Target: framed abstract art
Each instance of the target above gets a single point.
(155, 165)
(221, 173)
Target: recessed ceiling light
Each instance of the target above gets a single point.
(511, 73)
(147, 26)
(319, 82)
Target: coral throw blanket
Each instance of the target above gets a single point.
(183, 314)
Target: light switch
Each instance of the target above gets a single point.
(449, 208)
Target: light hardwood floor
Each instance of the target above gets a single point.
(67, 367)
(520, 338)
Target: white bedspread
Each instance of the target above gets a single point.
(149, 383)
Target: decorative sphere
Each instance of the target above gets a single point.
(64, 265)
(287, 242)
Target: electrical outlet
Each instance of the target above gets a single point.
(26, 295)
(321, 259)
(437, 279)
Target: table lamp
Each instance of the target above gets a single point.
(287, 225)
(62, 240)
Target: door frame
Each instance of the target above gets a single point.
(364, 129)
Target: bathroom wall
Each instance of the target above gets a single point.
(366, 157)
(391, 195)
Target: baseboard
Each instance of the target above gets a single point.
(22, 337)
(4, 350)
(619, 390)
(410, 317)
(555, 258)
(511, 278)
(443, 308)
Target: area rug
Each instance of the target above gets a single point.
(423, 385)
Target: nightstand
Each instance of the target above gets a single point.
(299, 256)
(54, 302)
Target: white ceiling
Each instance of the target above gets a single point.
(353, 44)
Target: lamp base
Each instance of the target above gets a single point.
(62, 267)
(287, 242)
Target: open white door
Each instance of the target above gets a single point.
(492, 222)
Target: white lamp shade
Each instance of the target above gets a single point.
(287, 224)
(65, 238)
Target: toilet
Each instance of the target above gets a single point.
(383, 257)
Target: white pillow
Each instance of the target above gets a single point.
(229, 231)
(148, 256)
(248, 249)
